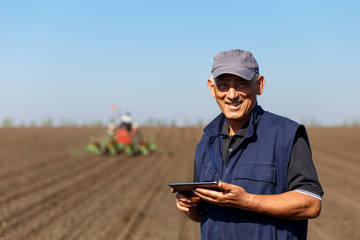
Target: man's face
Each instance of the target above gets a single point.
(236, 96)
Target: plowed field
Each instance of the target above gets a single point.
(51, 189)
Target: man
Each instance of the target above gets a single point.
(125, 121)
(267, 180)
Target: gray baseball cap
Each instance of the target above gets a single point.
(237, 62)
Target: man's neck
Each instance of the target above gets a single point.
(236, 124)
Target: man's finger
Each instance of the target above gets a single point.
(206, 193)
(181, 207)
(224, 186)
(183, 198)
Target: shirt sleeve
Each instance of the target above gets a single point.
(302, 175)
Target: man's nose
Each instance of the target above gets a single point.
(232, 93)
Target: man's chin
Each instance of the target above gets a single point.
(234, 117)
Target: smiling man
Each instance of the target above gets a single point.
(268, 183)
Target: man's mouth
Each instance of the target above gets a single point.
(233, 104)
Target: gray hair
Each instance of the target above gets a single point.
(256, 77)
(212, 79)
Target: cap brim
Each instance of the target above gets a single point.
(244, 73)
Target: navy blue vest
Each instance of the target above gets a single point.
(259, 165)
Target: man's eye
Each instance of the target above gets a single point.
(222, 86)
(240, 85)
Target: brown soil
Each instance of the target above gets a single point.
(51, 188)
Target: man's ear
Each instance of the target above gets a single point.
(260, 84)
(211, 87)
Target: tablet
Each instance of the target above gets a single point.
(190, 186)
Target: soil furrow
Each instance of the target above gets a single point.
(54, 179)
(331, 176)
(89, 182)
(104, 194)
(338, 161)
(123, 185)
(45, 176)
(133, 196)
(138, 215)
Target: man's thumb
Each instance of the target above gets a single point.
(224, 186)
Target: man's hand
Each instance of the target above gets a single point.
(184, 203)
(188, 205)
(288, 205)
(229, 196)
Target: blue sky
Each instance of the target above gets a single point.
(70, 60)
